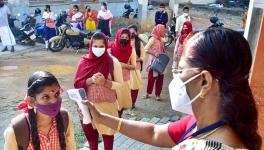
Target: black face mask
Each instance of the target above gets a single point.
(2, 4)
(123, 42)
(133, 35)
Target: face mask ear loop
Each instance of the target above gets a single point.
(195, 98)
(191, 79)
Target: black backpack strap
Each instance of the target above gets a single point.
(21, 129)
(65, 117)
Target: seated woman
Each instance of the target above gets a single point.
(44, 125)
(212, 86)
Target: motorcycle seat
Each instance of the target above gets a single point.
(85, 33)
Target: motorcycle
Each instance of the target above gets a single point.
(171, 33)
(70, 37)
(129, 12)
(24, 35)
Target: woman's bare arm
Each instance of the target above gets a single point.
(148, 133)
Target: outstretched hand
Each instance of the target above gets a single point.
(95, 114)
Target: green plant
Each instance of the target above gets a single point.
(79, 136)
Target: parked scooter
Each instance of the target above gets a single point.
(14, 25)
(70, 37)
(25, 34)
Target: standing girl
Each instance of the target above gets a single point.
(76, 18)
(136, 80)
(100, 75)
(121, 49)
(45, 125)
(155, 47)
(105, 20)
(49, 26)
(90, 19)
(178, 50)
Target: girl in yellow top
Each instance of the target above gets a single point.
(90, 19)
(46, 122)
(121, 49)
(136, 79)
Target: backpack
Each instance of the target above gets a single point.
(21, 128)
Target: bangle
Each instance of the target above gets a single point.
(119, 125)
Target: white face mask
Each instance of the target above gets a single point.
(185, 14)
(180, 100)
(102, 8)
(98, 52)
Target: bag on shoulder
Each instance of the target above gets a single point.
(160, 62)
(22, 131)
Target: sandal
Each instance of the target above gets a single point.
(145, 96)
(158, 98)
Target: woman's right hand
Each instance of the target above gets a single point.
(95, 114)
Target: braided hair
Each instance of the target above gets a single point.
(36, 84)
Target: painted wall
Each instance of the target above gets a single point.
(257, 80)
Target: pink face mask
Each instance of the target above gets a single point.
(51, 109)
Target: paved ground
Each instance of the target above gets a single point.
(20, 49)
(123, 142)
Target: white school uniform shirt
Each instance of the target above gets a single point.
(49, 15)
(180, 21)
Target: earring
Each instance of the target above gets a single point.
(202, 94)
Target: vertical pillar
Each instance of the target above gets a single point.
(174, 6)
(257, 77)
(253, 25)
(142, 11)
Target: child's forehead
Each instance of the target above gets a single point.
(51, 88)
(98, 41)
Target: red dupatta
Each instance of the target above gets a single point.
(122, 53)
(186, 30)
(90, 64)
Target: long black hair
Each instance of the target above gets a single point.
(36, 84)
(137, 40)
(226, 55)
